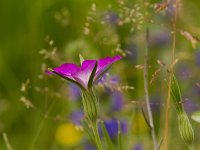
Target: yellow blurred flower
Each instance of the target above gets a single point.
(68, 134)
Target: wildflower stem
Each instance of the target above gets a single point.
(166, 130)
(96, 135)
(146, 92)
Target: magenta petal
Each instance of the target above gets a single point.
(83, 76)
(67, 70)
(104, 64)
(89, 72)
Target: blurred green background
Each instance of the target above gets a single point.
(33, 29)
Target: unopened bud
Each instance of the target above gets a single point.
(186, 129)
(81, 58)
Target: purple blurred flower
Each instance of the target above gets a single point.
(189, 105)
(76, 117)
(112, 127)
(198, 58)
(195, 90)
(160, 38)
(89, 147)
(74, 92)
(112, 80)
(89, 72)
(156, 103)
(112, 17)
(184, 71)
(170, 11)
(117, 101)
(138, 147)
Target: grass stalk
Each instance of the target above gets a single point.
(5, 138)
(146, 92)
(166, 129)
(146, 89)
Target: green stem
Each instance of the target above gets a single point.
(146, 87)
(96, 135)
(146, 92)
(191, 147)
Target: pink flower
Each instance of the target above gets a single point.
(89, 72)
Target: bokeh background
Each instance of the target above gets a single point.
(36, 109)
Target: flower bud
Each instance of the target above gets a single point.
(90, 105)
(176, 96)
(186, 129)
